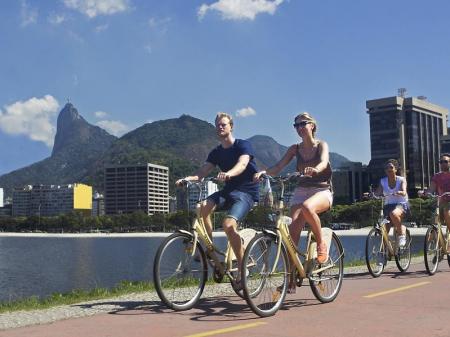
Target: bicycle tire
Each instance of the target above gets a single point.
(403, 256)
(375, 252)
(327, 284)
(179, 277)
(265, 285)
(431, 250)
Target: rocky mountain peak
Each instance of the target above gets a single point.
(74, 131)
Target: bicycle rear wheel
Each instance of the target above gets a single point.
(375, 252)
(265, 284)
(403, 256)
(431, 250)
(180, 276)
(326, 284)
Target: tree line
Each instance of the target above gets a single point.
(360, 214)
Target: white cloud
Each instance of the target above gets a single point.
(115, 128)
(93, 8)
(56, 19)
(101, 28)
(159, 24)
(240, 9)
(100, 114)
(28, 15)
(32, 118)
(246, 112)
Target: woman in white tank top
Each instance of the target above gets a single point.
(393, 188)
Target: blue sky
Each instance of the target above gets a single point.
(126, 62)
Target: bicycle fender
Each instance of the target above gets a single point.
(185, 232)
(270, 233)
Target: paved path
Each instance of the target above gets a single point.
(409, 304)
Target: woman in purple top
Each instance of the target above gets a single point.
(313, 194)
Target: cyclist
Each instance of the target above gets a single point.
(396, 205)
(235, 159)
(313, 194)
(440, 183)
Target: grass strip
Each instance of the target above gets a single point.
(75, 296)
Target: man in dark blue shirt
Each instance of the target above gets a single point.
(236, 162)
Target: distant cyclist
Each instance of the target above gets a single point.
(396, 205)
(313, 194)
(440, 183)
(235, 159)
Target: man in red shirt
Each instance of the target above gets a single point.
(440, 183)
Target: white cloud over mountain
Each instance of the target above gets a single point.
(240, 9)
(115, 128)
(93, 8)
(32, 118)
(246, 112)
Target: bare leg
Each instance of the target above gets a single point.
(447, 218)
(206, 209)
(396, 218)
(310, 210)
(230, 229)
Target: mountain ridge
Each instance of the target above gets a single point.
(81, 150)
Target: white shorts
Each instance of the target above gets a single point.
(301, 194)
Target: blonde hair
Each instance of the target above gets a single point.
(221, 115)
(307, 117)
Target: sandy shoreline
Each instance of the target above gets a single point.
(351, 232)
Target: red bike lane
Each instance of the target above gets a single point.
(395, 304)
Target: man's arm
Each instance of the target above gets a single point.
(237, 169)
(201, 173)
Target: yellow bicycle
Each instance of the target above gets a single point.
(380, 248)
(180, 269)
(436, 242)
(268, 259)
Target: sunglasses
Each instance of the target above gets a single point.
(443, 161)
(301, 124)
(387, 167)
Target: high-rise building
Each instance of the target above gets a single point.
(1, 197)
(445, 143)
(409, 130)
(51, 200)
(350, 182)
(98, 204)
(132, 188)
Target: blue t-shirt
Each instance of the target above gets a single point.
(226, 159)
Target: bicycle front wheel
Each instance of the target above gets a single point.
(403, 256)
(179, 273)
(265, 283)
(375, 252)
(327, 283)
(431, 250)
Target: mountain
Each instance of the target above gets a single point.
(77, 146)
(81, 150)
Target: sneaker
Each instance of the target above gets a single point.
(322, 255)
(402, 241)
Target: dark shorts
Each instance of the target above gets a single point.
(387, 209)
(236, 203)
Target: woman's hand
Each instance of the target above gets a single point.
(310, 171)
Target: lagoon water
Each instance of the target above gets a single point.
(44, 264)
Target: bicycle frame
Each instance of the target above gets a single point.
(442, 239)
(200, 235)
(284, 237)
